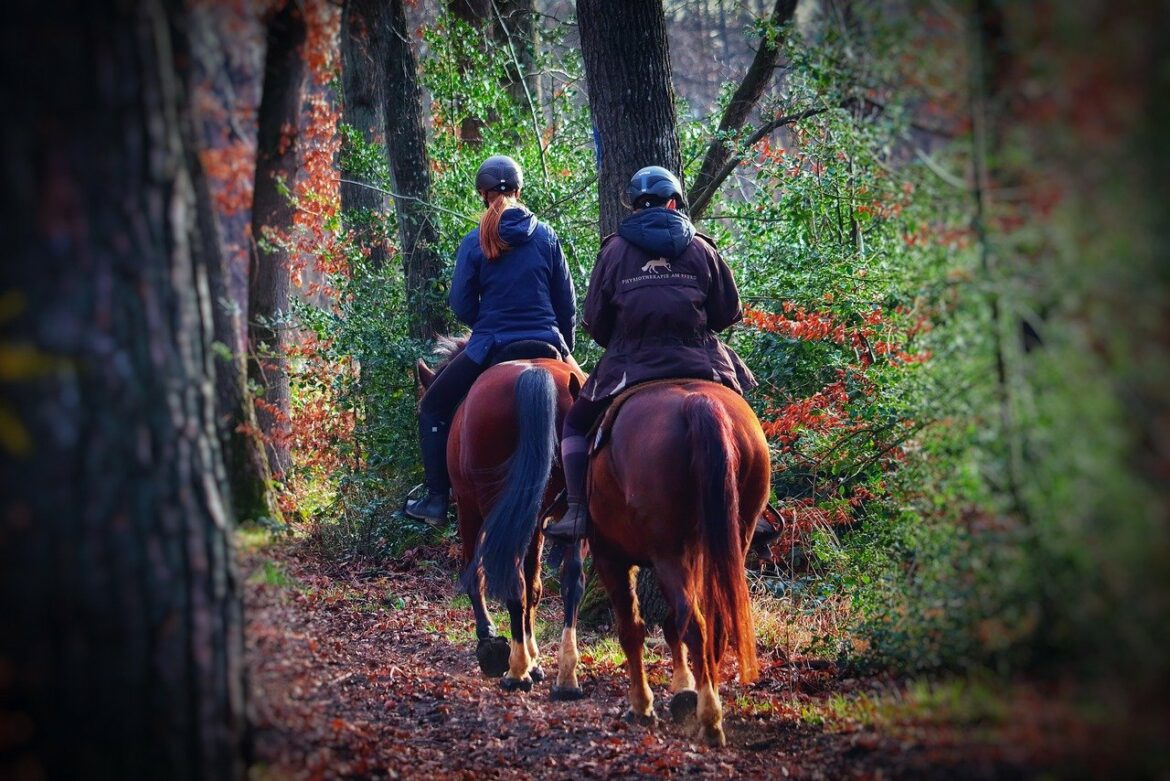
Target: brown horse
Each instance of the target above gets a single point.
(679, 486)
(501, 455)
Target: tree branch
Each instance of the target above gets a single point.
(759, 73)
(698, 200)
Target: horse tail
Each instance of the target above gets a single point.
(723, 594)
(511, 524)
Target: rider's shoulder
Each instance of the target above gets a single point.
(610, 238)
(710, 242)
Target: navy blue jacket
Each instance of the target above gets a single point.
(526, 293)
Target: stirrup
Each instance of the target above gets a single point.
(570, 526)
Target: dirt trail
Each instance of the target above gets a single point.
(359, 672)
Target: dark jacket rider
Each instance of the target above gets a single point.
(657, 296)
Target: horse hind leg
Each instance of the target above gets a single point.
(618, 580)
(685, 701)
(519, 660)
(572, 588)
(534, 591)
(708, 708)
(491, 650)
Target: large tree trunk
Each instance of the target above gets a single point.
(364, 26)
(122, 642)
(272, 219)
(746, 96)
(410, 165)
(627, 66)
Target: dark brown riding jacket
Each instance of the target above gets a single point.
(657, 296)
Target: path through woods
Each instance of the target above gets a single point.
(362, 671)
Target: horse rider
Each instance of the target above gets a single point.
(658, 294)
(511, 283)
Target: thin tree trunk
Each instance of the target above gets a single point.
(245, 458)
(627, 66)
(122, 640)
(272, 219)
(364, 27)
(410, 166)
(516, 27)
(746, 96)
(478, 14)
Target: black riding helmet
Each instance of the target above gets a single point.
(654, 186)
(499, 173)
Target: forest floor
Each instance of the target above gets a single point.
(368, 671)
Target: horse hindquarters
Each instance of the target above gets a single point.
(724, 603)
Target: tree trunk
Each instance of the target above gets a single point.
(272, 221)
(476, 13)
(410, 165)
(122, 644)
(627, 66)
(245, 459)
(516, 28)
(364, 26)
(746, 96)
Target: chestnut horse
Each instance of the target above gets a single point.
(501, 455)
(679, 486)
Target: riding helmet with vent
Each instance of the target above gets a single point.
(653, 185)
(499, 173)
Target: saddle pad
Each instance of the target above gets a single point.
(600, 433)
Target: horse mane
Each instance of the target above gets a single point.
(448, 348)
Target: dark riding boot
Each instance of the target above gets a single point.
(573, 524)
(570, 526)
(433, 440)
(431, 508)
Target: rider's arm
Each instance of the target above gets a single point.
(723, 306)
(464, 296)
(564, 298)
(599, 309)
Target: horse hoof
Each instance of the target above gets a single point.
(566, 694)
(536, 674)
(712, 736)
(683, 705)
(493, 653)
(516, 684)
(642, 720)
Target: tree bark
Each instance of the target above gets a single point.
(272, 219)
(410, 166)
(245, 459)
(122, 645)
(364, 26)
(746, 96)
(627, 67)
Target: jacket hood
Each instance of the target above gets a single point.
(517, 225)
(658, 231)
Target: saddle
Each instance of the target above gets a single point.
(525, 349)
(600, 433)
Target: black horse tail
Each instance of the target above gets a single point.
(723, 593)
(511, 524)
